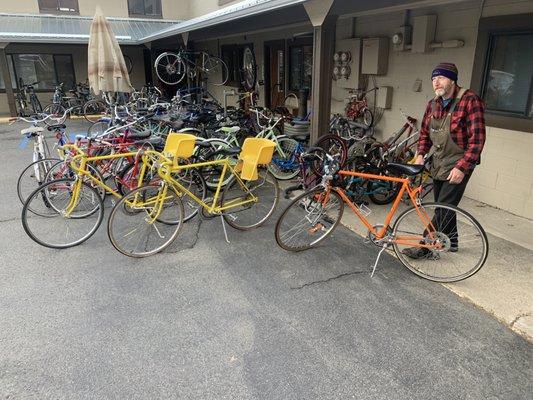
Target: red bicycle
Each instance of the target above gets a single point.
(357, 107)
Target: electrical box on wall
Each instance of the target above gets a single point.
(384, 97)
(423, 33)
(375, 56)
(347, 63)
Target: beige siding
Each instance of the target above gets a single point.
(175, 9)
(19, 6)
(198, 8)
(109, 8)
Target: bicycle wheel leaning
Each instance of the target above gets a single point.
(333, 145)
(139, 224)
(460, 252)
(251, 215)
(51, 219)
(367, 116)
(309, 219)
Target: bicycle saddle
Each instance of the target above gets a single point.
(404, 169)
(139, 135)
(230, 129)
(301, 138)
(56, 127)
(31, 130)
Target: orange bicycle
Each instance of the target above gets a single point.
(436, 241)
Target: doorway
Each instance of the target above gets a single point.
(275, 73)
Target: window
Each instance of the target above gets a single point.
(145, 8)
(300, 67)
(507, 84)
(502, 73)
(232, 55)
(46, 69)
(59, 6)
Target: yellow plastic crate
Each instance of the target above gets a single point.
(255, 152)
(179, 145)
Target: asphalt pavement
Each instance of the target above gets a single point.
(245, 320)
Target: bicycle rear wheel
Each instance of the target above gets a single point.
(216, 70)
(137, 224)
(251, 215)
(45, 219)
(56, 113)
(170, 68)
(451, 254)
(334, 146)
(309, 219)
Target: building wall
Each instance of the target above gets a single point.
(201, 7)
(503, 178)
(171, 9)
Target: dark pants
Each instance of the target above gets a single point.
(445, 220)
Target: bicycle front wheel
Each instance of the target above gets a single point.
(253, 214)
(33, 176)
(216, 70)
(56, 114)
(170, 68)
(454, 248)
(138, 227)
(309, 219)
(51, 219)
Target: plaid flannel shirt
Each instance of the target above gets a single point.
(467, 128)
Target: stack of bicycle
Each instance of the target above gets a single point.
(226, 163)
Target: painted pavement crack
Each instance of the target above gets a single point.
(328, 280)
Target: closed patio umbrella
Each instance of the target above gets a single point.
(106, 67)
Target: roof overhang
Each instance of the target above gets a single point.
(28, 28)
(227, 14)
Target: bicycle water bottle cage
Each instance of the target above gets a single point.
(179, 145)
(255, 152)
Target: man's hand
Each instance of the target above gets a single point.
(419, 160)
(456, 176)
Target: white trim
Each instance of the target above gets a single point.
(54, 35)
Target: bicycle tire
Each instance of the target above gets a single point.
(56, 113)
(388, 189)
(249, 70)
(284, 165)
(36, 104)
(211, 174)
(333, 145)
(252, 215)
(170, 72)
(216, 70)
(154, 234)
(40, 169)
(54, 197)
(94, 110)
(443, 260)
(306, 222)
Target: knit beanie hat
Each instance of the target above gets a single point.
(448, 70)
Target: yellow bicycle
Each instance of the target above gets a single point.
(149, 218)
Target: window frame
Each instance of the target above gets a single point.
(16, 88)
(44, 10)
(488, 29)
(297, 43)
(154, 16)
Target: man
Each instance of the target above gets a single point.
(453, 133)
